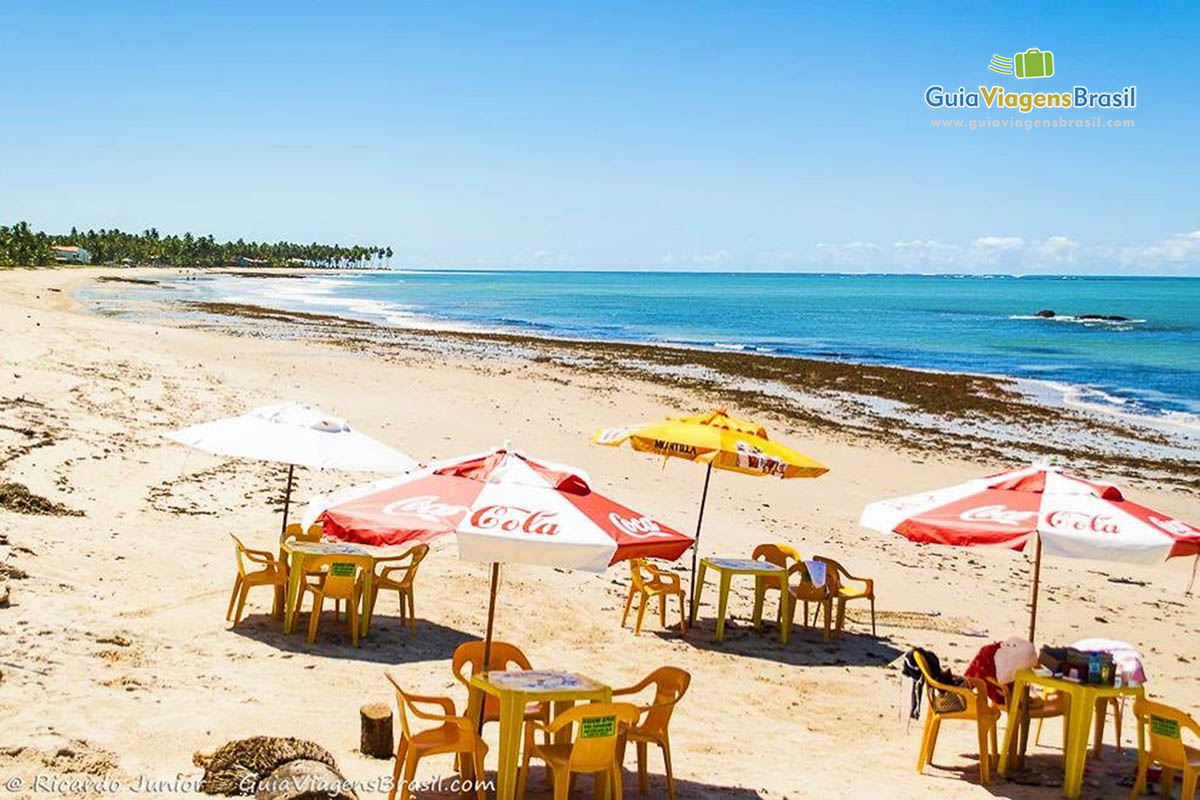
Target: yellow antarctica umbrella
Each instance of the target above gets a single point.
(720, 441)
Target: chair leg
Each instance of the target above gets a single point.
(637, 630)
(237, 585)
(643, 777)
(1189, 784)
(666, 752)
(1037, 734)
(410, 772)
(562, 785)
(1139, 782)
(237, 615)
(662, 611)
(314, 618)
(1166, 783)
(872, 616)
(924, 751)
(985, 758)
(615, 782)
(480, 778)
(682, 617)
(352, 616)
(412, 614)
(401, 752)
(1118, 710)
(628, 605)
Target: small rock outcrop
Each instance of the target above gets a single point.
(273, 768)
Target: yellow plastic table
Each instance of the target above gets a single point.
(727, 568)
(1081, 702)
(515, 689)
(361, 554)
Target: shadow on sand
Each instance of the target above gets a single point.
(804, 648)
(387, 643)
(1042, 775)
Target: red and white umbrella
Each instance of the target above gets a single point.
(1065, 515)
(503, 507)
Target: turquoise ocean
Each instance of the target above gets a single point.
(1147, 364)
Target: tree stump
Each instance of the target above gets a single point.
(376, 740)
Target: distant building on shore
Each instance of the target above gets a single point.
(70, 254)
(246, 261)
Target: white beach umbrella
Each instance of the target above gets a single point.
(297, 435)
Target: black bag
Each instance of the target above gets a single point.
(945, 701)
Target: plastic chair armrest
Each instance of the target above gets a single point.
(386, 571)
(259, 556)
(445, 703)
(637, 687)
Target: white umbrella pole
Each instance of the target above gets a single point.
(287, 499)
(696, 544)
(487, 641)
(1192, 582)
(1037, 576)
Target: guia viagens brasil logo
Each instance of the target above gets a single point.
(1032, 63)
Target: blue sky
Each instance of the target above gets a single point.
(657, 136)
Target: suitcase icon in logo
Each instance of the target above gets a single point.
(1034, 63)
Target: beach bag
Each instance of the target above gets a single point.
(943, 702)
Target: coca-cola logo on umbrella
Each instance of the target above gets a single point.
(1082, 522)
(1174, 527)
(997, 514)
(511, 519)
(426, 507)
(639, 527)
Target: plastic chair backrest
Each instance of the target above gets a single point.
(401, 701)
(931, 682)
(596, 731)
(1164, 727)
(471, 653)
(636, 565)
(240, 550)
(777, 554)
(418, 554)
(296, 531)
(833, 572)
(341, 577)
(670, 684)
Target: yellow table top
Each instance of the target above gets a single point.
(324, 548)
(1075, 687)
(547, 684)
(747, 565)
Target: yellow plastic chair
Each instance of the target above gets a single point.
(502, 656)
(295, 530)
(1163, 728)
(645, 587)
(849, 587)
(594, 750)
(455, 735)
(402, 584)
(336, 577)
(976, 709)
(807, 592)
(780, 555)
(670, 684)
(272, 573)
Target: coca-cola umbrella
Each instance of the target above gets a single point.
(1062, 514)
(503, 507)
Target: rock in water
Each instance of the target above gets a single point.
(1045, 313)
(241, 766)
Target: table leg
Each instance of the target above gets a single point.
(1100, 713)
(699, 590)
(1077, 745)
(1011, 737)
(295, 575)
(512, 713)
(722, 602)
(785, 600)
(368, 605)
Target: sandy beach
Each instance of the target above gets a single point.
(117, 662)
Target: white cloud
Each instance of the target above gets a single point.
(925, 252)
(542, 259)
(716, 258)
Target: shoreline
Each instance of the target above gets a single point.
(992, 417)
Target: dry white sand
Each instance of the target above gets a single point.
(117, 661)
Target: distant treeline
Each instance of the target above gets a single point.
(22, 246)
